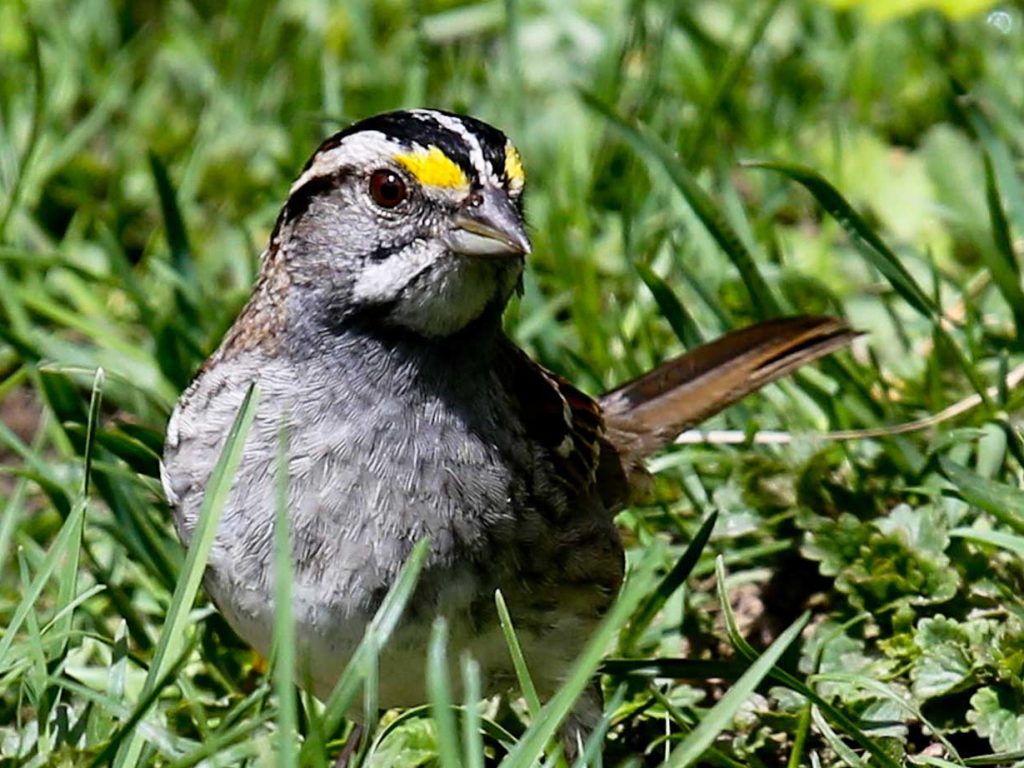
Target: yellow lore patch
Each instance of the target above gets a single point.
(514, 167)
(433, 168)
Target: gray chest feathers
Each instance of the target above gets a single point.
(384, 449)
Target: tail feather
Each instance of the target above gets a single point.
(647, 413)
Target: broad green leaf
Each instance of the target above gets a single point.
(996, 716)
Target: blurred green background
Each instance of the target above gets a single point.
(145, 148)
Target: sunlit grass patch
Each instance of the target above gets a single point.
(691, 167)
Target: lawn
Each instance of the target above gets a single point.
(828, 574)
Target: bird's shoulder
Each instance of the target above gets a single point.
(567, 423)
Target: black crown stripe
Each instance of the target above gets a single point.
(408, 128)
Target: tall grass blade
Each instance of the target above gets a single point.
(174, 224)
(838, 746)
(530, 747)
(65, 538)
(672, 309)
(284, 620)
(720, 716)
(1004, 165)
(1002, 261)
(673, 580)
(371, 697)
(835, 715)
(803, 728)
(526, 686)
(380, 629)
(101, 721)
(884, 691)
(130, 732)
(68, 578)
(439, 689)
(591, 754)
(875, 251)
(472, 740)
(174, 634)
(35, 131)
(864, 237)
(726, 79)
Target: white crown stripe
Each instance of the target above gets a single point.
(460, 129)
(352, 150)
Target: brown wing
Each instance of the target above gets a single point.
(604, 442)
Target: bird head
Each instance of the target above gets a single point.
(412, 217)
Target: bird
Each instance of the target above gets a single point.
(374, 334)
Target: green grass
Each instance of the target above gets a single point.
(692, 167)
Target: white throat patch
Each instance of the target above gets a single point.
(436, 293)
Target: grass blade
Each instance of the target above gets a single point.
(68, 578)
(728, 74)
(592, 750)
(1005, 503)
(439, 688)
(530, 747)
(683, 324)
(526, 686)
(678, 669)
(838, 746)
(128, 734)
(69, 530)
(284, 622)
(997, 539)
(864, 237)
(1004, 165)
(803, 727)
(472, 740)
(1002, 262)
(835, 715)
(673, 580)
(721, 715)
(172, 638)
(718, 226)
(377, 633)
(875, 251)
(174, 223)
(34, 134)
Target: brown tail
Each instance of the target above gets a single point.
(651, 411)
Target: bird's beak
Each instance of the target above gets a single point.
(488, 224)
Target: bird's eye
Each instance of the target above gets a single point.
(387, 188)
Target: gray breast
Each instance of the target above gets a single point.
(384, 449)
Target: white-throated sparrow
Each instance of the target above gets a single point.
(374, 330)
